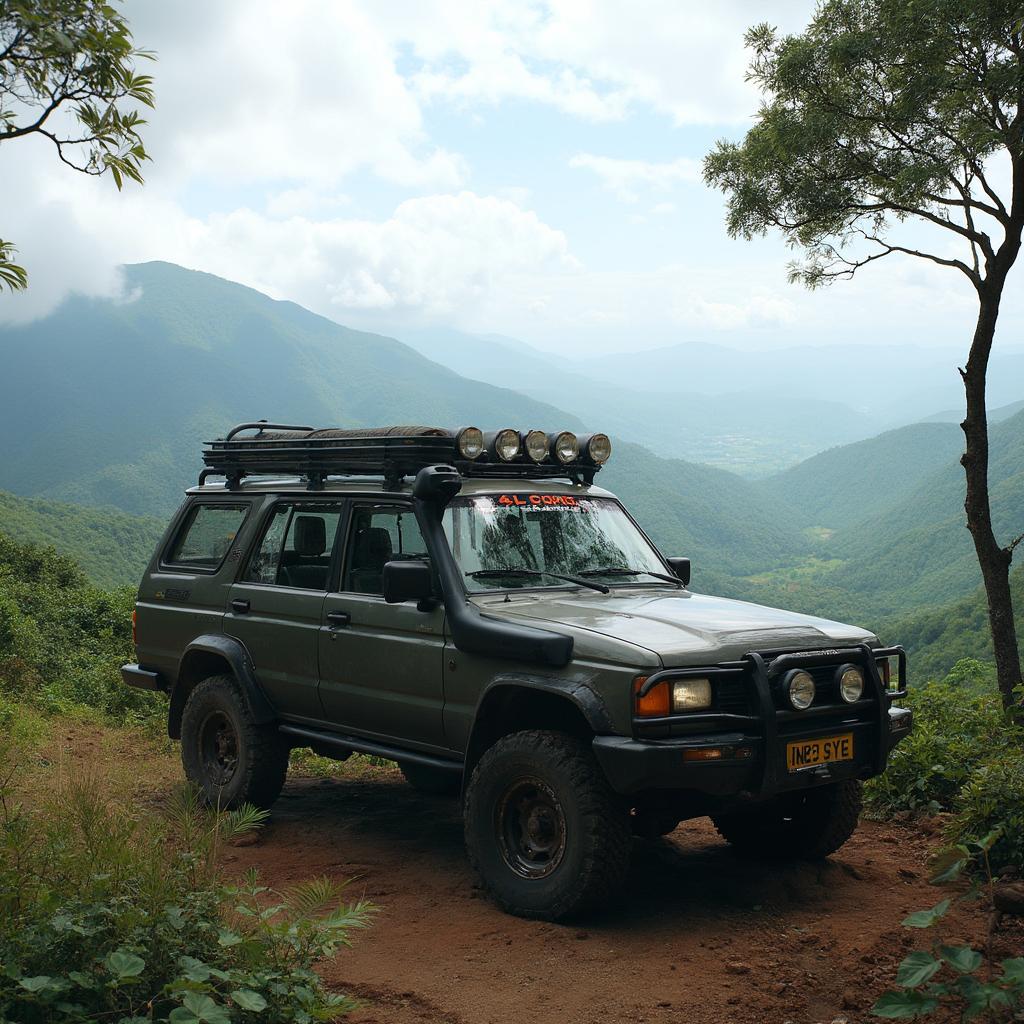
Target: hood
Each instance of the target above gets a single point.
(642, 626)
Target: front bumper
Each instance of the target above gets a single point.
(750, 758)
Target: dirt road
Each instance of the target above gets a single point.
(700, 935)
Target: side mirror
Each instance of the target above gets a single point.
(681, 568)
(410, 580)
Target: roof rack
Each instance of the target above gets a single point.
(391, 452)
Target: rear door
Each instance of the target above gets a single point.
(381, 664)
(276, 604)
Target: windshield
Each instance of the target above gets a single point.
(546, 533)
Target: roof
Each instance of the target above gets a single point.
(340, 486)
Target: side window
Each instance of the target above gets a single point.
(207, 535)
(296, 547)
(378, 535)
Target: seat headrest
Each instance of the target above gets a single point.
(373, 547)
(310, 535)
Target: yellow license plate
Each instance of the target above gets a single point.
(808, 753)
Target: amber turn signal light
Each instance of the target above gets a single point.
(135, 617)
(655, 702)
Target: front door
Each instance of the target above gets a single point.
(275, 608)
(381, 664)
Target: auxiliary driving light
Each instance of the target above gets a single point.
(506, 444)
(564, 446)
(536, 444)
(851, 683)
(691, 695)
(470, 442)
(597, 447)
(800, 689)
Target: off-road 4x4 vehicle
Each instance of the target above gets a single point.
(471, 606)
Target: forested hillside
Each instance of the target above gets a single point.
(111, 547)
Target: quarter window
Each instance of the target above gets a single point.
(205, 539)
(296, 547)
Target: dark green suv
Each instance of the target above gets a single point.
(471, 606)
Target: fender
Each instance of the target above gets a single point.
(472, 631)
(572, 693)
(204, 652)
(578, 691)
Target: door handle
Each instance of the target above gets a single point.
(338, 618)
(240, 605)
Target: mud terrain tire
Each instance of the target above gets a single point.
(809, 825)
(544, 830)
(434, 781)
(225, 753)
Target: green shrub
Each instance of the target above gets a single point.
(105, 918)
(63, 640)
(959, 726)
(992, 802)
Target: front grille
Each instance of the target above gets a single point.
(732, 695)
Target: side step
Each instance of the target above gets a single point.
(344, 744)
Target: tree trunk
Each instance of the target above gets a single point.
(993, 559)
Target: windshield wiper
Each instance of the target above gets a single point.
(621, 570)
(493, 574)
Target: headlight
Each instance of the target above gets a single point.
(598, 448)
(536, 445)
(506, 444)
(851, 683)
(691, 695)
(800, 689)
(565, 447)
(470, 442)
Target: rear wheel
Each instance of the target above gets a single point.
(225, 753)
(807, 825)
(544, 830)
(435, 781)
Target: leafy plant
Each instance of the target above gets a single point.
(956, 975)
(104, 917)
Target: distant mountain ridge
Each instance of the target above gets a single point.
(130, 389)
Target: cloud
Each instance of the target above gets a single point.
(626, 178)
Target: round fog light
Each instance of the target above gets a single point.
(800, 689)
(565, 447)
(536, 445)
(506, 444)
(599, 448)
(851, 683)
(470, 442)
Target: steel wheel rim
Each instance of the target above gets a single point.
(218, 748)
(530, 827)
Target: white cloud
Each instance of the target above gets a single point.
(627, 177)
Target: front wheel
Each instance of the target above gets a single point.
(806, 825)
(225, 753)
(544, 830)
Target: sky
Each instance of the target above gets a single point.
(531, 169)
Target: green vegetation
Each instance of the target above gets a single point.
(112, 547)
(964, 756)
(106, 917)
(63, 640)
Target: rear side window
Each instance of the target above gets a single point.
(207, 536)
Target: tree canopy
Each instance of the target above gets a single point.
(68, 74)
(881, 111)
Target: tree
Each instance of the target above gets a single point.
(66, 69)
(883, 122)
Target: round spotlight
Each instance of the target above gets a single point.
(470, 442)
(506, 444)
(800, 689)
(851, 683)
(598, 448)
(565, 447)
(536, 445)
